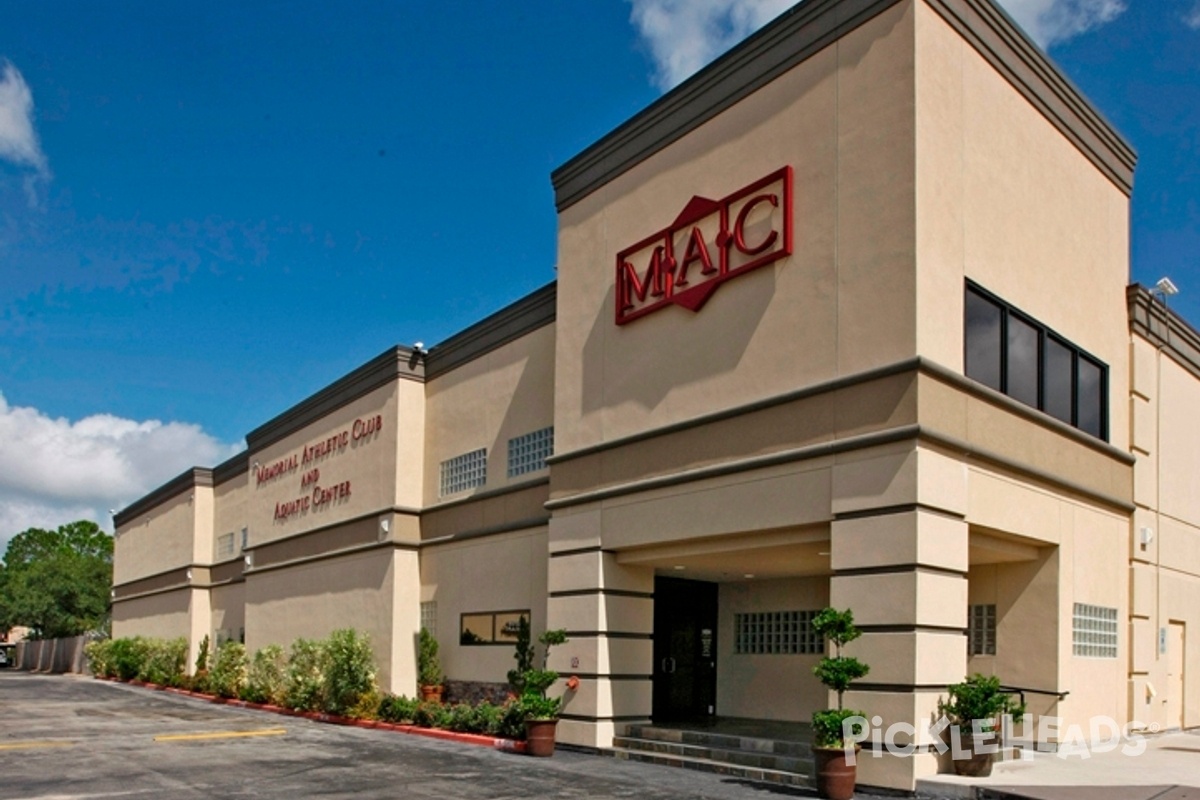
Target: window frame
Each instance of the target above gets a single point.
(495, 640)
(1044, 334)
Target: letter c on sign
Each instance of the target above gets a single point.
(739, 228)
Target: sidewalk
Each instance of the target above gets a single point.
(1169, 769)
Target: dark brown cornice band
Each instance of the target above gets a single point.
(794, 36)
(803, 31)
(231, 468)
(1002, 43)
(526, 315)
(1154, 321)
(194, 477)
(533, 311)
(522, 317)
(393, 364)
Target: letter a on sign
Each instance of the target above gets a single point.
(710, 242)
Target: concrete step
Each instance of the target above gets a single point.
(709, 765)
(721, 741)
(758, 758)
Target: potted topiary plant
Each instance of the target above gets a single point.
(836, 774)
(429, 669)
(974, 708)
(540, 712)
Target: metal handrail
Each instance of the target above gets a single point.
(1021, 690)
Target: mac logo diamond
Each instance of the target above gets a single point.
(710, 242)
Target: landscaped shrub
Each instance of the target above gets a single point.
(397, 708)
(306, 675)
(100, 661)
(462, 718)
(430, 715)
(202, 655)
(165, 661)
(128, 656)
(266, 677)
(487, 718)
(228, 674)
(349, 672)
(512, 719)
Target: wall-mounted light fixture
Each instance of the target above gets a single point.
(1166, 287)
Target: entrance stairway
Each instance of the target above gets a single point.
(753, 750)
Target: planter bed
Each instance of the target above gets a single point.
(478, 739)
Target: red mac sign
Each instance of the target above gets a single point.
(710, 242)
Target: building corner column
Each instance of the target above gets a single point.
(900, 559)
(608, 612)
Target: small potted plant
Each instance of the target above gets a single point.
(429, 669)
(836, 774)
(974, 708)
(540, 712)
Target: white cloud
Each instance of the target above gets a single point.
(54, 471)
(18, 139)
(1053, 21)
(684, 35)
(1192, 18)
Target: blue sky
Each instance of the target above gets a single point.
(207, 212)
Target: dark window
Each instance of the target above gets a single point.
(984, 320)
(1060, 371)
(491, 627)
(1091, 390)
(1017, 355)
(1023, 347)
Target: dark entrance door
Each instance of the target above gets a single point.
(685, 649)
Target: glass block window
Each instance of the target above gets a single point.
(429, 616)
(528, 453)
(981, 630)
(776, 633)
(225, 545)
(245, 538)
(464, 472)
(1094, 631)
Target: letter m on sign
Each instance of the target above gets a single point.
(640, 290)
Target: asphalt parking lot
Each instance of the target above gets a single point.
(71, 738)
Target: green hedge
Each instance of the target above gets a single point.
(334, 675)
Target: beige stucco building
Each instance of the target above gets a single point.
(842, 320)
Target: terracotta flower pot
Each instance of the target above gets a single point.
(835, 777)
(539, 736)
(976, 764)
(431, 694)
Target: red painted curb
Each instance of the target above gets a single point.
(505, 745)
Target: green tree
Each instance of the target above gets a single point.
(57, 582)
